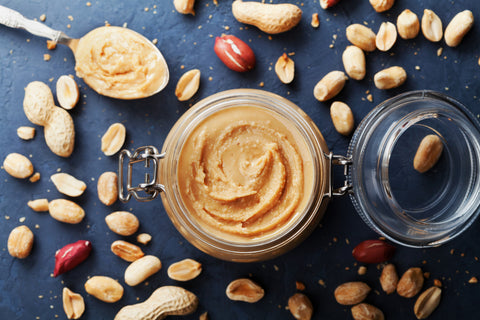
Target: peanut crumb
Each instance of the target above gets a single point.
(437, 283)
(315, 21)
(226, 28)
(182, 67)
(124, 24)
(203, 316)
(417, 67)
(35, 177)
(47, 57)
(275, 267)
(155, 41)
(362, 270)
(270, 38)
(215, 2)
(89, 4)
(40, 297)
(70, 18)
(37, 226)
(370, 97)
(210, 78)
(261, 84)
(452, 251)
(7, 217)
(299, 285)
(439, 51)
(291, 54)
(51, 45)
(43, 17)
(144, 238)
(426, 275)
(331, 46)
(347, 241)
(322, 283)
(473, 280)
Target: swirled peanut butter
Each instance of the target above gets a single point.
(245, 174)
(120, 63)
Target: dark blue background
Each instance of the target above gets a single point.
(188, 41)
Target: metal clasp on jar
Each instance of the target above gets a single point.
(339, 161)
(150, 188)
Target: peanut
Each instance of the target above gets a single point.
(113, 139)
(139, 270)
(35, 177)
(410, 283)
(26, 133)
(300, 306)
(184, 270)
(432, 27)
(373, 251)
(386, 36)
(188, 85)
(427, 302)
(40, 109)
(18, 166)
(122, 222)
(104, 288)
(126, 250)
(165, 301)
(365, 311)
(38, 205)
(71, 255)
(234, 53)
(390, 78)
(361, 36)
(20, 242)
(351, 293)
(342, 117)
(66, 211)
(184, 6)
(428, 153)
(408, 25)
(144, 238)
(325, 4)
(382, 5)
(389, 279)
(330, 85)
(107, 188)
(73, 304)
(285, 69)
(244, 290)
(67, 92)
(458, 28)
(270, 18)
(354, 62)
(315, 23)
(68, 184)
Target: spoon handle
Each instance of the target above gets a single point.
(14, 19)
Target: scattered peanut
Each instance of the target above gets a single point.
(432, 26)
(126, 250)
(40, 109)
(390, 78)
(139, 270)
(285, 69)
(67, 92)
(458, 28)
(204, 316)
(184, 6)
(184, 270)
(270, 18)
(122, 222)
(408, 25)
(188, 85)
(167, 300)
(144, 238)
(300, 306)
(234, 53)
(351, 293)
(361, 36)
(66, 211)
(315, 23)
(107, 188)
(427, 302)
(71, 255)
(428, 153)
(104, 288)
(35, 177)
(386, 36)
(365, 311)
(26, 133)
(299, 285)
(382, 5)
(18, 166)
(51, 45)
(354, 62)
(342, 117)
(389, 279)
(68, 184)
(330, 85)
(410, 283)
(113, 139)
(244, 290)
(20, 242)
(38, 205)
(325, 4)
(73, 304)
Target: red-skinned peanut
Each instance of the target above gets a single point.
(234, 53)
(325, 4)
(71, 256)
(373, 251)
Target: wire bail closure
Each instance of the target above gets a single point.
(149, 189)
(338, 160)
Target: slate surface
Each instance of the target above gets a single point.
(27, 291)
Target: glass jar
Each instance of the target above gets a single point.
(407, 207)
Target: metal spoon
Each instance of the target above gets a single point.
(14, 19)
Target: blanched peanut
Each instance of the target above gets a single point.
(107, 188)
(67, 92)
(458, 28)
(18, 166)
(386, 36)
(73, 304)
(285, 69)
(66, 211)
(139, 270)
(432, 26)
(104, 288)
(329, 86)
(68, 184)
(244, 290)
(26, 133)
(113, 139)
(342, 117)
(188, 85)
(408, 25)
(184, 270)
(428, 153)
(361, 36)
(184, 6)
(354, 62)
(390, 78)
(382, 5)
(38, 205)
(126, 250)
(122, 222)
(20, 242)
